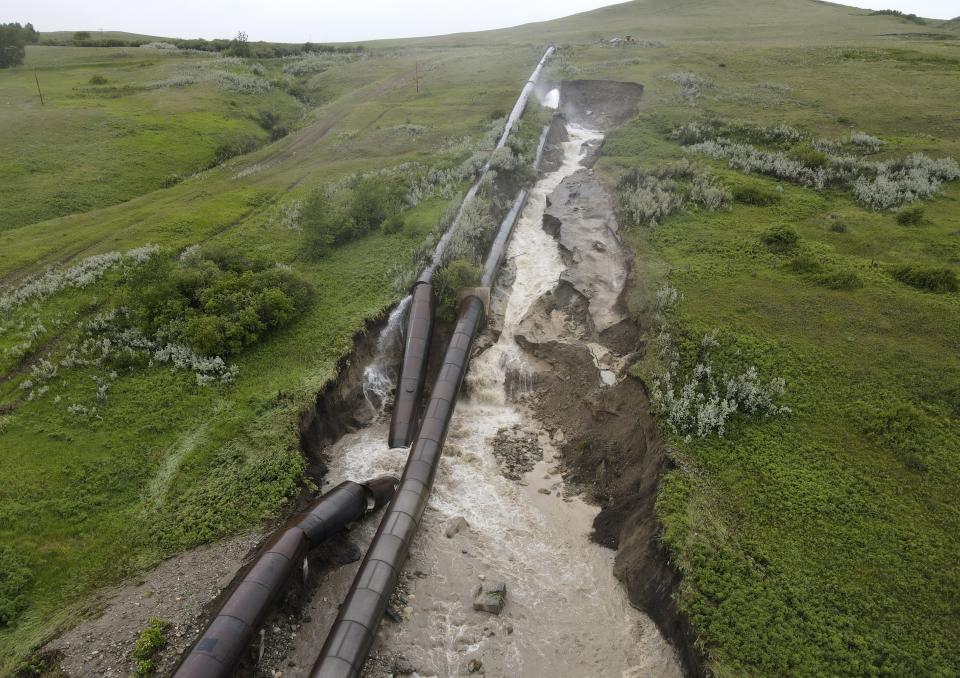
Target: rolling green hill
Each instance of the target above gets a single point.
(818, 543)
(61, 36)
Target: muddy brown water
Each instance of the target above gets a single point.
(565, 612)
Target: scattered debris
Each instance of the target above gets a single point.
(517, 451)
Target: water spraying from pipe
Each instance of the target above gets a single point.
(380, 376)
(551, 99)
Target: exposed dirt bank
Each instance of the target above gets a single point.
(599, 104)
(342, 406)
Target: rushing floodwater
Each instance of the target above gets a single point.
(566, 615)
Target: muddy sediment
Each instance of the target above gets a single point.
(611, 450)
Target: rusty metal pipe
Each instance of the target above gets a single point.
(352, 634)
(220, 648)
(413, 371)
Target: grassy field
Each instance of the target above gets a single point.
(818, 543)
(118, 123)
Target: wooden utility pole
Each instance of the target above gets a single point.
(39, 91)
(418, 78)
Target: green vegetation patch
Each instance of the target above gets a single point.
(217, 302)
(16, 578)
(927, 278)
(152, 639)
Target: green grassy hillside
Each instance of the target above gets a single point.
(104, 132)
(61, 36)
(817, 543)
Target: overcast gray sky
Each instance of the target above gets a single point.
(329, 20)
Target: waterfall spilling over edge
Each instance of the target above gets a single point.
(380, 376)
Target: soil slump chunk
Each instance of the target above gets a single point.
(580, 214)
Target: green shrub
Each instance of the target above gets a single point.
(780, 238)
(910, 216)
(171, 180)
(324, 224)
(152, 639)
(239, 46)
(839, 280)
(805, 263)
(218, 303)
(267, 119)
(16, 579)
(373, 200)
(897, 13)
(927, 278)
(13, 39)
(752, 194)
(838, 227)
(394, 224)
(231, 148)
(448, 282)
(810, 157)
(98, 80)
(370, 203)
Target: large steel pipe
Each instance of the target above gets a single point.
(406, 407)
(518, 108)
(413, 371)
(499, 247)
(524, 95)
(352, 634)
(217, 652)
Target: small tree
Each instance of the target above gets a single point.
(81, 36)
(240, 45)
(13, 38)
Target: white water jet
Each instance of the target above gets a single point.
(551, 99)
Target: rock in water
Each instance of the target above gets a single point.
(402, 666)
(455, 525)
(490, 596)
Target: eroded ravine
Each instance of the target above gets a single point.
(565, 614)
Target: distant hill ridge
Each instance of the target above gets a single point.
(715, 21)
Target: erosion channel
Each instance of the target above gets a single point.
(500, 511)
